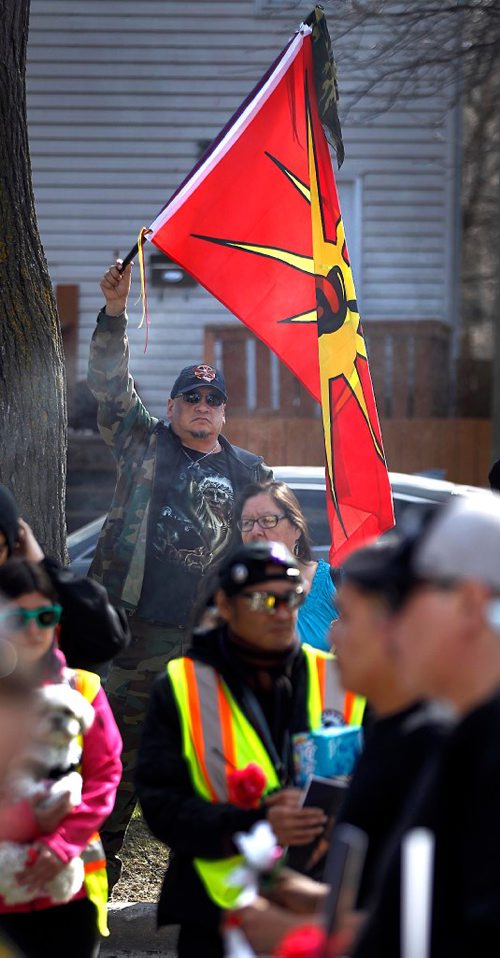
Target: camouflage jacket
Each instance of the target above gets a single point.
(131, 433)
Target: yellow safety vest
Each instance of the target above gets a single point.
(217, 738)
(93, 857)
(326, 694)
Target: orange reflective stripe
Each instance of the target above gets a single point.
(348, 706)
(227, 730)
(196, 723)
(94, 866)
(86, 683)
(321, 666)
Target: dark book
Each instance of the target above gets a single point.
(327, 794)
(343, 871)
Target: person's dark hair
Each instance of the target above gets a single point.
(287, 502)
(20, 577)
(494, 476)
(9, 518)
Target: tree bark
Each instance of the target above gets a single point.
(32, 377)
(495, 399)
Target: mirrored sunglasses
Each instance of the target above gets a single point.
(269, 601)
(46, 616)
(211, 399)
(265, 522)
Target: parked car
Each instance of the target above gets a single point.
(308, 484)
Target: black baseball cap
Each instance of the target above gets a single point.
(250, 563)
(381, 568)
(455, 541)
(201, 374)
(494, 476)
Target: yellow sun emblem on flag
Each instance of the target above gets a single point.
(340, 337)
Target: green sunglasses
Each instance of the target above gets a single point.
(46, 616)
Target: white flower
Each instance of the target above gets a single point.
(259, 847)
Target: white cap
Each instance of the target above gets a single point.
(463, 542)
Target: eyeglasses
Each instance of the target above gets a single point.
(269, 601)
(45, 617)
(211, 399)
(264, 522)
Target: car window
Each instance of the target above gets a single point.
(402, 503)
(313, 505)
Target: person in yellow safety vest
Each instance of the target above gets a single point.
(237, 696)
(59, 833)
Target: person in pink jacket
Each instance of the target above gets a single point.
(40, 927)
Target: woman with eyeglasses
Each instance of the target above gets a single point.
(29, 617)
(271, 511)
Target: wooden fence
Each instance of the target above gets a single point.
(459, 448)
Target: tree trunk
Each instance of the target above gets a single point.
(495, 310)
(32, 378)
(495, 399)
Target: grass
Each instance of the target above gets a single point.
(144, 863)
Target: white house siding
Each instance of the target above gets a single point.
(120, 92)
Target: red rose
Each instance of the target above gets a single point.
(308, 941)
(246, 786)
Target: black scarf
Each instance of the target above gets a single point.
(268, 676)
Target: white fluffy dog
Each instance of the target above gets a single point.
(46, 770)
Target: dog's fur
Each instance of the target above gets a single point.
(46, 770)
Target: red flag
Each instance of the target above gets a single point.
(258, 224)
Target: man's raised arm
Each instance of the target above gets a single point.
(120, 408)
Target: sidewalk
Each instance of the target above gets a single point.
(134, 933)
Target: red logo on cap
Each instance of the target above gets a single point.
(205, 372)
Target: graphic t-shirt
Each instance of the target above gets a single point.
(187, 534)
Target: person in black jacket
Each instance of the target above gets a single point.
(256, 653)
(448, 647)
(92, 631)
(405, 734)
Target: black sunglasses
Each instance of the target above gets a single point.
(211, 399)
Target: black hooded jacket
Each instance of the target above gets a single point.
(176, 814)
(92, 631)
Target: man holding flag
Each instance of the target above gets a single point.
(170, 519)
(258, 223)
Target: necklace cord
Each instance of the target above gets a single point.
(194, 462)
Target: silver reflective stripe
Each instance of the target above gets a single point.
(334, 693)
(93, 852)
(206, 678)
